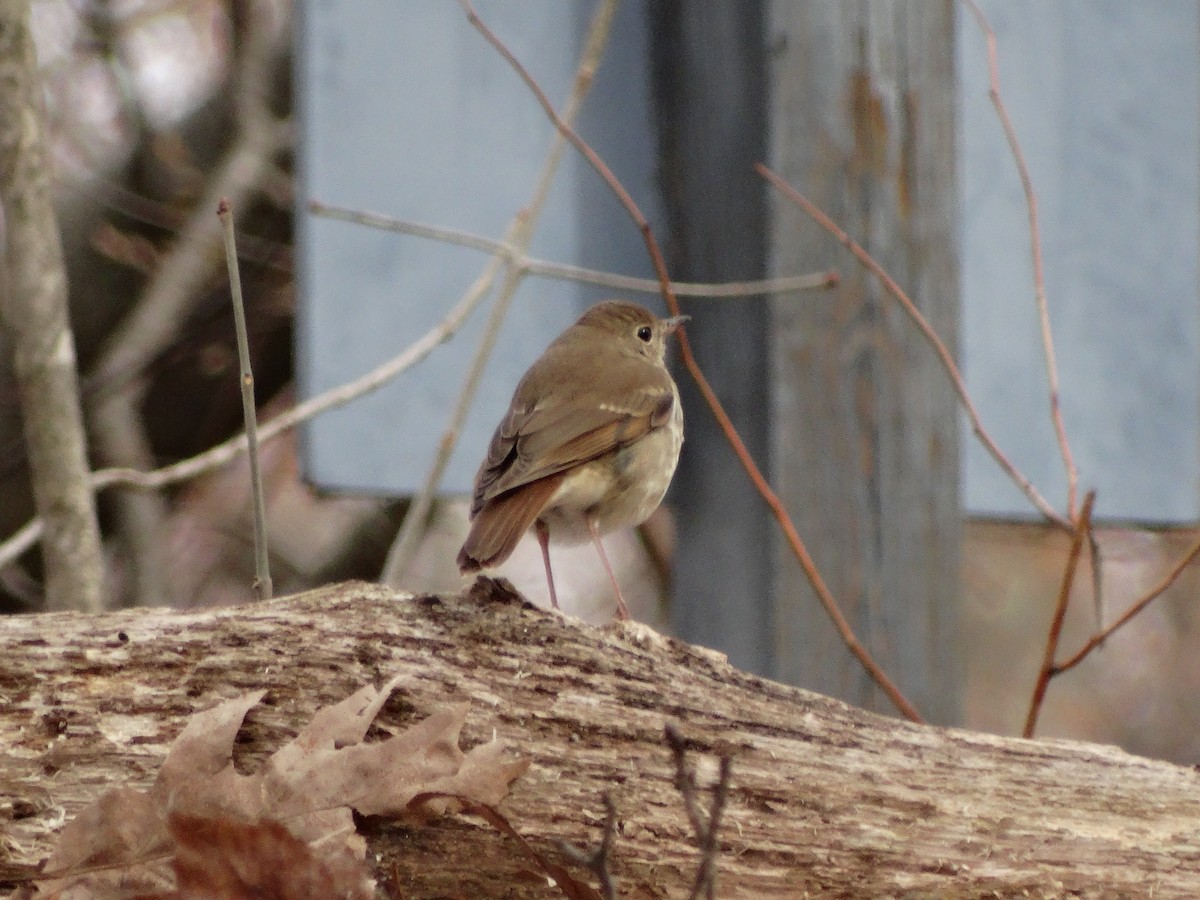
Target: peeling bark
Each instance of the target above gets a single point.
(825, 799)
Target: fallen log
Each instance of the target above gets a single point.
(824, 799)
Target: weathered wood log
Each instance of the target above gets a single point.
(826, 800)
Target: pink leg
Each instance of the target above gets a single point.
(622, 609)
(543, 536)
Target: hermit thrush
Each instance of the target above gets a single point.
(588, 445)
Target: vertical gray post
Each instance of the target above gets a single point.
(710, 103)
(865, 429)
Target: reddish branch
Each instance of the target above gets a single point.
(689, 361)
(1136, 607)
(1083, 527)
(1052, 374)
(1035, 239)
(943, 353)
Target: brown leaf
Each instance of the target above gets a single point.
(198, 777)
(426, 757)
(205, 745)
(106, 840)
(220, 858)
(309, 785)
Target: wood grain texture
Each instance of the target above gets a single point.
(864, 422)
(826, 799)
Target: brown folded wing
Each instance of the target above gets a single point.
(541, 439)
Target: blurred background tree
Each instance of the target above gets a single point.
(155, 110)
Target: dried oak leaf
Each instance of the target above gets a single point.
(311, 784)
(238, 861)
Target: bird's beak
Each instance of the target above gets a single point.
(674, 322)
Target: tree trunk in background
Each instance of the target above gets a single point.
(35, 321)
(710, 98)
(865, 427)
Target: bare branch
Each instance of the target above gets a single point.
(161, 310)
(194, 258)
(943, 353)
(1083, 530)
(262, 567)
(118, 432)
(1134, 608)
(596, 862)
(817, 281)
(1035, 240)
(705, 828)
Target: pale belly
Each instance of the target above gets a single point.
(619, 491)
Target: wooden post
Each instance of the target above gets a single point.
(710, 98)
(864, 424)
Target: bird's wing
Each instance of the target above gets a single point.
(538, 439)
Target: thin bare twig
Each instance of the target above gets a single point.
(1097, 583)
(28, 535)
(688, 358)
(1083, 527)
(931, 336)
(596, 862)
(268, 253)
(1136, 607)
(263, 588)
(520, 234)
(710, 848)
(1035, 239)
(705, 828)
(113, 385)
(817, 281)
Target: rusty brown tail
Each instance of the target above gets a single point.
(501, 522)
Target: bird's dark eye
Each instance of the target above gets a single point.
(644, 333)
